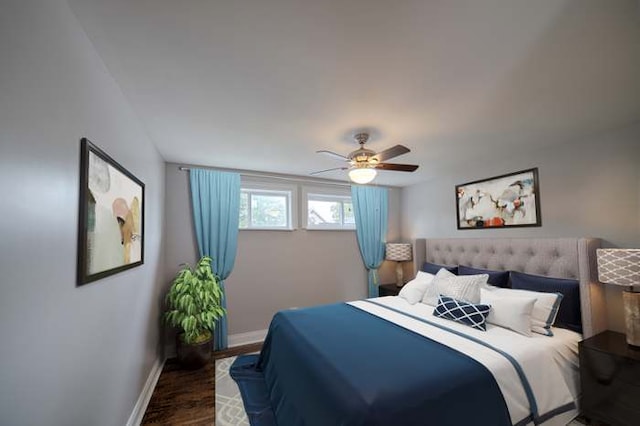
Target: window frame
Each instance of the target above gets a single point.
(288, 191)
(326, 194)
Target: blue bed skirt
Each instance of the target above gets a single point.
(339, 365)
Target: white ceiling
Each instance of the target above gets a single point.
(263, 84)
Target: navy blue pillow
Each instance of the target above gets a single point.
(433, 268)
(569, 314)
(497, 278)
(474, 316)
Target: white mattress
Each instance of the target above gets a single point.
(549, 364)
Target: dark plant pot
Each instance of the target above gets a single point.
(193, 356)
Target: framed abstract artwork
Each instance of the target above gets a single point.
(506, 201)
(111, 219)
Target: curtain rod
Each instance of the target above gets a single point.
(270, 176)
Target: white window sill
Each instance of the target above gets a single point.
(330, 229)
(268, 229)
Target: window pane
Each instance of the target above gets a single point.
(268, 210)
(349, 218)
(324, 212)
(244, 210)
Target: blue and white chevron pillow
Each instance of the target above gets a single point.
(473, 315)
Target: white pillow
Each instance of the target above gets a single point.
(413, 291)
(513, 313)
(424, 276)
(545, 309)
(465, 288)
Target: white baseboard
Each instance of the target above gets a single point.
(246, 338)
(135, 419)
(145, 396)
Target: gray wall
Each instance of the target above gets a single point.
(589, 187)
(70, 355)
(276, 270)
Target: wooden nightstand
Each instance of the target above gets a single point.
(388, 290)
(610, 376)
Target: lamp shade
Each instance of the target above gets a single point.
(400, 252)
(619, 266)
(362, 175)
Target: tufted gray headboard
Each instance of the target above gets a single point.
(573, 258)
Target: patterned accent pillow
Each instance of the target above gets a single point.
(465, 288)
(474, 316)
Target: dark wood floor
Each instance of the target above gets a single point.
(184, 397)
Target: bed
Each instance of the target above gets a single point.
(384, 361)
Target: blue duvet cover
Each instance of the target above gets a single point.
(339, 365)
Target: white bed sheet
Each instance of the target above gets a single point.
(550, 364)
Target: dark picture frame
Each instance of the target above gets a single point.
(511, 200)
(111, 216)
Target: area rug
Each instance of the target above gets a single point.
(229, 408)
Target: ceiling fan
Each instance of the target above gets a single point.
(363, 162)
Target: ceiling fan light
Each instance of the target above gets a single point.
(362, 175)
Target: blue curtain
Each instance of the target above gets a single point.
(370, 208)
(215, 197)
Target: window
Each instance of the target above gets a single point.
(265, 209)
(328, 211)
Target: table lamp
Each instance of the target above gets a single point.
(622, 267)
(398, 252)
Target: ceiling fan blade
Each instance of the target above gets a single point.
(328, 170)
(333, 154)
(394, 151)
(397, 167)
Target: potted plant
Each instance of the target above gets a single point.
(194, 305)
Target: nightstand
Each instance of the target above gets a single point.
(388, 290)
(610, 376)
